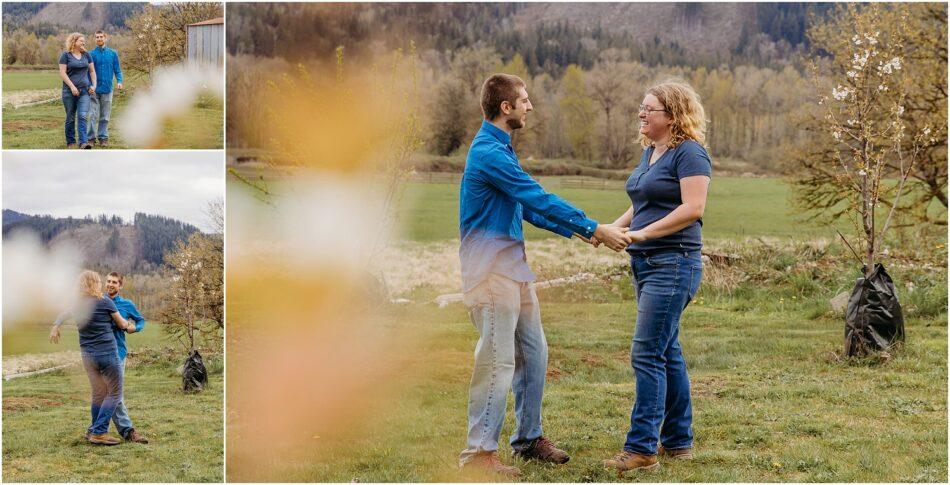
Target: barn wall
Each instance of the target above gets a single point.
(206, 44)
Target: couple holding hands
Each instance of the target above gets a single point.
(661, 231)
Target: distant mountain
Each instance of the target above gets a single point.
(11, 216)
(107, 241)
(549, 36)
(54, 17)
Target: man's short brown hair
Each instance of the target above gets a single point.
(117, 276)
(499, 88)
(100, 32)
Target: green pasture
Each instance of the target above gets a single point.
(736, 207)
(41, 126)
(19, 80)
(33, 338)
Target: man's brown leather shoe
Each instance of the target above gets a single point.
(490, 463)
(135, 437)
(543, 449)
(678, 454)
(628, 460)
(103, 439)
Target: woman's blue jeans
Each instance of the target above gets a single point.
(105, 377)
(665, 284)
(76, 106)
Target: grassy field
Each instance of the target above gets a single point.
(45, 416)
(773, 398)
(770, 404)
(34, 338)
(737, 207)
(22, 80)
(41, 126)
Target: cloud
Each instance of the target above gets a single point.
(177, 184)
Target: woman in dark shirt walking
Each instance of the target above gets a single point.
(100, 355)
(668, 194)
(78, 73)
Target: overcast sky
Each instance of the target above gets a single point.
(177, 184)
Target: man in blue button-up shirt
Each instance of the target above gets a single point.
(121, 419)
(107, 65)
(496, 195)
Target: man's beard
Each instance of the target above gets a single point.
(515, 124)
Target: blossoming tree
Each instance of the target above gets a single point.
(862, 87)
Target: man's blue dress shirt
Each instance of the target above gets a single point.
(496, 195)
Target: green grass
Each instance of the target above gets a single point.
(41, 126)
(773, 400)
(736, 207)
(33, 338)
(769, 401)
(17, 80)
(45, 417)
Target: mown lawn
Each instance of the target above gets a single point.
(41, 126)
(45, 417)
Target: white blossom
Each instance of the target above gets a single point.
(862, 172)
(852, 74)
(900, 110)
(841, 93)
(926, 130)
(856, 40)
(837, 135)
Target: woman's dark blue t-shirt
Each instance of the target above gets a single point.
(77, 70)
(655, 192)
(95, 334)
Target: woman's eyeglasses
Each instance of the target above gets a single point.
(648, 109)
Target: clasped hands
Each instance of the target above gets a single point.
(614, 237)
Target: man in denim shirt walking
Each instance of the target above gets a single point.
(496, 195)
(107, 66)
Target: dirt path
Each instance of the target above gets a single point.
(26, 97)
(16, 364)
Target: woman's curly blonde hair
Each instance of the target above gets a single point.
(71, 40)
(90, 284)
(683, 106)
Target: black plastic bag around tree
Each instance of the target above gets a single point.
(874, 320)
(194, 376)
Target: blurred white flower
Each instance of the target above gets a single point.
(836, 135)
(900, 110)
(174, 90)
(38, 282)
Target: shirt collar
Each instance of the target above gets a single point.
(117, 298)
(498, 133)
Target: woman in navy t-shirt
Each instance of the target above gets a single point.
(668, 194)
(97, 318)
(78, 73)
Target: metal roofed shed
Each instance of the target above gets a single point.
(206, 42)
